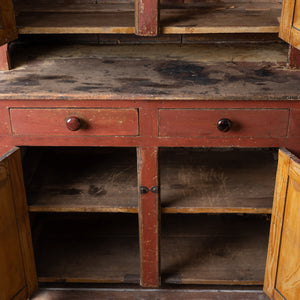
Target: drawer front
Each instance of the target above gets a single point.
(92, 122)
(203, 122)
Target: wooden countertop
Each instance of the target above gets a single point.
(150, 72)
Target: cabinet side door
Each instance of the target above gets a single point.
(289, 29)
(282, 279)
(17, 269)
(8, 29)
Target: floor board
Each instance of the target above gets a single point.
(138, 294)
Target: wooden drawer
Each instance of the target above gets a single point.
(97, 122)
(203, 122)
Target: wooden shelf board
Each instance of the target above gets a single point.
(94, 180)
(226, 17)
(199, 181)
(75, 22)
(206, 249)
(147, 294)
(221, 17)
(160, 72)
(92, 248)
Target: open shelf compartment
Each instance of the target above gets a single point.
(57, 18)
(188, 17)
(199, 180)
(82, 248)
(81, 179)
(214, 249)
(220, 17)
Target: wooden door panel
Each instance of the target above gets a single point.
(8, 29)
(11, 265)
(288, 274)
(289, 29)
(17, 268)
(282, 278)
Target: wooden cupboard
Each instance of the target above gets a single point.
(149, 165)
(85, 204)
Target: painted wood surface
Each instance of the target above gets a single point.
(294, 58)
(4, 58)
(191, 123)
(52, 122)
(149, 216)
(146, 17)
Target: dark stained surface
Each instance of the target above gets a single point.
(157, 72)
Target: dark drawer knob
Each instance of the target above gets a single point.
(73, 123)
(224, 125)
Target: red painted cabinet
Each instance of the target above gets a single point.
(150, 205)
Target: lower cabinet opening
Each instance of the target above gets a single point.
(83, 206)
(86, 248)
(219, 249)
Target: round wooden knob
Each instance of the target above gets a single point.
(224, 125)
(73, 123)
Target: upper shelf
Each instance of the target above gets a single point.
(201, 181)
(218, 17)
(94, 180)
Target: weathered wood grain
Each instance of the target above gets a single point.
(160, 73)
(219, 181)
(220, 18)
